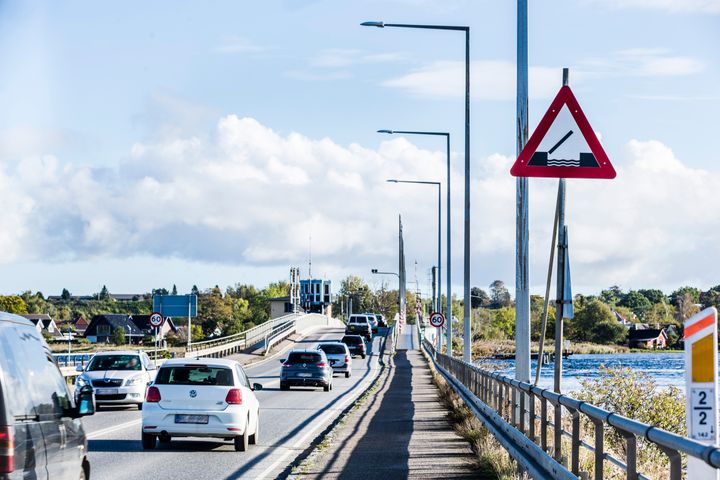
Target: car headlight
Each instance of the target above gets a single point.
(138, 380)
(81, 381)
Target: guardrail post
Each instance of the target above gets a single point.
(631, 453)
(675, 461)
(543, 423)
(557, 432)
(522, 409)
(575, 442)
(599, 447)
(531, 417)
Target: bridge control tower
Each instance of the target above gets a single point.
(316, 296)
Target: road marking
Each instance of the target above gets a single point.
(302, 441)
(114, 428)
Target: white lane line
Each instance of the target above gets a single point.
(114, 428)
(321, 423)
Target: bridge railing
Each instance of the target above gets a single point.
(509, 408)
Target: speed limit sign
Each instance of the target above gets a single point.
(156, 320)
(437, 319)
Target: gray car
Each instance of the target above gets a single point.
(41, 435)
(303, 368)
(338, 355)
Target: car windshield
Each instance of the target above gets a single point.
(358, 320)
(353, 340)
(303, 357)
(194, 375)
(114, 362)
(331, 349)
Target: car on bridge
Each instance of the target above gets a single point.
(118, 377)
(304, 368)
(356, 345)
(206, 397)
(359, 325)
(41, 435)
(338, 355)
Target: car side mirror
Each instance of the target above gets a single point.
(79, 368)
(282, 360)
(257, 386)
(86, 401)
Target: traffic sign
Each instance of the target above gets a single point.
(701, 379)
(563, 145)
(157, 320)
(437, 319)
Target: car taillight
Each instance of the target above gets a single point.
(234, 397)
(153, 395)
(321, 364)
(7, 449)
(347, 358)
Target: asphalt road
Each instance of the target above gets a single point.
(288, 422)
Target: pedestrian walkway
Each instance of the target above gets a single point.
(401, 431)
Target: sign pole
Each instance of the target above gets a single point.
(701, 380)
(189, 339)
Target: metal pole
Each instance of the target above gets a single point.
(448, 260)
(438, 302)
(189, 342)
(467, 333)
(522, 288)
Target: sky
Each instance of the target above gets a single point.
(146, 144)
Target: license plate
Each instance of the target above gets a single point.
(191, 419)
(304, 374)
(106, 391)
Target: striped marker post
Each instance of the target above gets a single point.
(701, 366)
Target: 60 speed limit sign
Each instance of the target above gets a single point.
(156, 320)
(437, 319)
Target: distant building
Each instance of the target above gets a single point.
(101, 328)
(81, 325)
(280, 306)
(142, 322)
(316, 296)
(127, 297)
(622, 320)
(650, 338)
(44, 323)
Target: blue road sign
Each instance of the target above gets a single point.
(175, 305)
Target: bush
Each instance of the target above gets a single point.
(119, 336)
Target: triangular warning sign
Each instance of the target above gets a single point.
(563, 145)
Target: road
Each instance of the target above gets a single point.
(288, 421)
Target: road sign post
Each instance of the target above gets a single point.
(156, 321)
(701, 380)
(437, 320)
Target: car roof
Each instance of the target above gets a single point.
(11, 317)
(358, 336)
(303, 350)
(334, 342)
(200, 361)
(118, 352)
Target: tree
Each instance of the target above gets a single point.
(278, 289)
(355, 288)
(596, 323)
(499, 295)
(65, 295)
(195, 290)
(197, 333)
(612, 296)
(104, 294)
(478, 297)
(174, 289)
(118, 337)
(653, 294)
(504, 321)
(692, 292)
(636, 302)
(537, 306)
(12, 304)
(686, 306)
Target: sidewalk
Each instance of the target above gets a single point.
(401, 431)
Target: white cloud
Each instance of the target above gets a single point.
(490, 80)
(672, 6)
(246, 195)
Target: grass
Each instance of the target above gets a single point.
(493, 461)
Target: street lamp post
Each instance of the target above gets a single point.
(375, 271)
(448, 256)
(466, 263)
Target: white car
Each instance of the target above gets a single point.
(118, 377)
(205, 397)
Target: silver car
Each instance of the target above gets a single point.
(338, 355)
(118, 378)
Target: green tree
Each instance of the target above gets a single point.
(194, 290)
(197, 333)
(278, 289)
(637, 302)
(213, 311)
(612, 296)
(537, 305)
(355, 288)
(478, 297)
(596, 323)
(504, 321)
(653, 294)
(118, 336)
(104, 294)
(174, 289)
(65, 295)
(680, 294)
(12, 304)
(499, 295)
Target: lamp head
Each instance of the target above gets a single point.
(392, 180)
(374, 270)
(373, 24)
(385, 131)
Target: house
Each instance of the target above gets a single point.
(622, 320)
(44, 323)
(101, 328)
(280, 306)
(651, 338)
(142, 322)
(81, 325)
(127, 297)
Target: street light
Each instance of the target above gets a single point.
(375, 271)
(439, 185)
(448, 256)
(466, 265)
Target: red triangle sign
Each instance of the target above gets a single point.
(563, 145)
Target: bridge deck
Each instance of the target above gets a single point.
(402, 431)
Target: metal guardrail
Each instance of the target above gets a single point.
(279, 334)
(508, 408)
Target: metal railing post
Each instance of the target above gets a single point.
(599, 447)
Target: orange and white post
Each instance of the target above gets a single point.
(701, 367)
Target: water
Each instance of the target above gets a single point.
(665, 368)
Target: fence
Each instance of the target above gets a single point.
(508, 408)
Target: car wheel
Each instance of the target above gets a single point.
(139, 405)
(254, 437)
(148, 441)
(326, 388)
(347, 374)
(164, 438)
(242, 443)
(363, 356)
(284, 386)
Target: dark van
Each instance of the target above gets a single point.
(41, 436)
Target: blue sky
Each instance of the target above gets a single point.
(141, 143)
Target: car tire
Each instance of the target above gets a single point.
(347, 374)
(326, 388)
(242, 443)
(363, 356)
(148, 441)
(255, 436)
(284, 386)
(165, 439)
(139, 405)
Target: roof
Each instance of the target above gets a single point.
(646, 334)
(11, 317)
(126, 296)
(143, 322)
(279, 299)
(200, 361)
(36, 316)
(116, 320)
